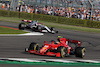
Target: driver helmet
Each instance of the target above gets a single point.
(58, 39)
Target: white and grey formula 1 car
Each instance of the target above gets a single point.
(35, 26)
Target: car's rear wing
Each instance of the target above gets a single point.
(26, 21)
(76, 42)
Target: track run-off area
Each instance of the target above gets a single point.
(14, 46)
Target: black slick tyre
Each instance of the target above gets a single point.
(21, 26)
(33, 46)
(39, 28)
(62, 51)
(80, 52)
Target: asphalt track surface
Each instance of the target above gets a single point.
(13, 46)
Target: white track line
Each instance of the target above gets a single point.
(25, 60)
(59, 60)
(26, 34)
(50, 60)
(90, 61)
(32, 33)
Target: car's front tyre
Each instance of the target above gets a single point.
(63, 51)
(33, 46)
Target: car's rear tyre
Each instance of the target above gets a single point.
(33, 46)
(21, 26)
(80, 52)
(62, 50)
(39, 28)
(33, 29)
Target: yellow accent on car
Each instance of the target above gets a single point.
(44, 47)
(83, 51)
(35, 46)
(60, 37)
(62, 52)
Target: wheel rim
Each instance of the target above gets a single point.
(22, 25)
(35, 46)
(63, 52)
(26, 49)
(83, 52)
(39, 28)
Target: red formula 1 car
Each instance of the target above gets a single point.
(61, 48)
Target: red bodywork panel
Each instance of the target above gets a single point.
(48, 53)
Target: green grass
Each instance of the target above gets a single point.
(56, 25)
(75, 28)
(10, 31)
(51, 63)
(9, 18)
